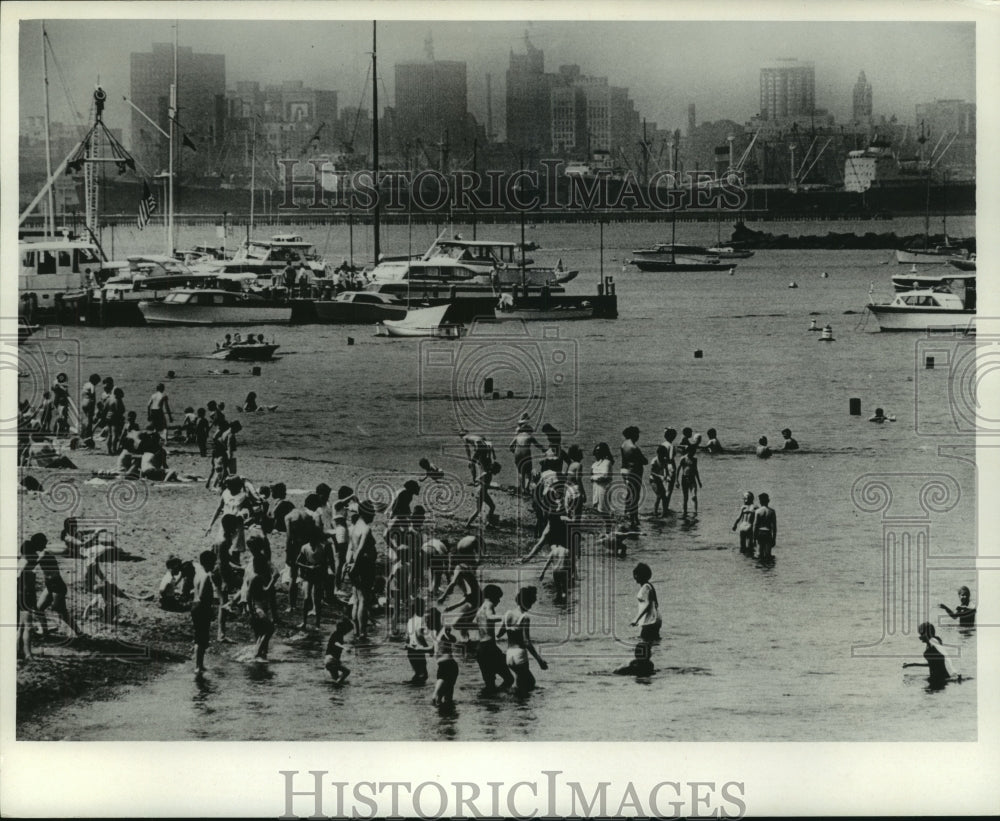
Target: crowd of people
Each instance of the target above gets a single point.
(342, 567)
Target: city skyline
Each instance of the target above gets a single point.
(336, 55)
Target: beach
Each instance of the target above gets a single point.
(748, 652)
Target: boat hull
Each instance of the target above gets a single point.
(355, 313)
(246, 353)
(922, 257)
(159, 313)
(667, 267)
(893, 318)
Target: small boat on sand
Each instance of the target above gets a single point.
(246, 352)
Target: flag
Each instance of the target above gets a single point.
(187, 142)
(147, 205)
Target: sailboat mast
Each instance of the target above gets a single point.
(170, 147)
(376, 244)
(253, 169)
(50, 219)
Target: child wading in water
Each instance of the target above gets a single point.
(657, 478)
(744, 521)
(447, 667)
(966, 615)
(648, 616)
(690, 478)
(938, 673)
(488, 654)
(417, 647)
(334, 648)
(517, 623)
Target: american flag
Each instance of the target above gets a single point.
(147, 205)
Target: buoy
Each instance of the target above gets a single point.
(732, 271)
(913, 268)
(350, 340)
(793, 284)
(488, 385)
(825, 275)
(855, 407)
(496, 394)
(827, 335)
(170, 374)
(698, 354)
(510, 394)
(929, 363)
(256, 370)
(812, 325)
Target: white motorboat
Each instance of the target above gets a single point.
(423, 322)
(56, 271)
(214, 306)
(915, 281)
(925, 309)
(142, 277)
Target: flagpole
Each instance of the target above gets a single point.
(173, 116)
(50, 219)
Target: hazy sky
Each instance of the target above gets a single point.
(666, 65)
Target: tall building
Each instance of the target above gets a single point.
(951, 128)
(431, 103)
(529, 102)
(201, 96)
(862, 107)
(787, 89)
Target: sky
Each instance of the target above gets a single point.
(666, 65)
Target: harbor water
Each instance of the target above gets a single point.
(810, 649)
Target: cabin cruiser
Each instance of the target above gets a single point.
(926, 308)
(214, 306)
(56, 272)
(266, 257)
(137, 278)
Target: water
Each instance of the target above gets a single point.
(748, 653)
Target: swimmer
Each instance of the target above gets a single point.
(744, 521)
(641, 665)
(789, 443)
(335, 649)
(880, 417)
(938, 672)
(763, 451)
(712, 445)
(966, 615)
(647, 618)
(517, 624)
(765, 529)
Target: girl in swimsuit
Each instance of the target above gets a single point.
(517, 623)
(744, 521)
(933, 658)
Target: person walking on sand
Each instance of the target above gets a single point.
(483, 482)
(158, 411)
(88, 408)
(55, 585)
(520, 446)
(633, 464)
(744, 522)
(517, 624)
(27, 599)
(765, 529)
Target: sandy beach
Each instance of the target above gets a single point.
(152, 521)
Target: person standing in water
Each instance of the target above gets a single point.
(938, 673)
(517, 624)
(690, 477)
(765, 529)
(633, 464)
(447, 667)
(965, 614)
(647, 618)
(789, 443)
(744, 522)
(600, 478)
(201, 607)
(488, 654)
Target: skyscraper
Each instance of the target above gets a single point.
(862, 108)
(432, 99)
(529, 101)
(787, 89)
(201, 99)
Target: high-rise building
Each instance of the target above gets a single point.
(787, 89)
(529, 102)
(948, 117)
(862, 107)
(201, 96)
(432, 103)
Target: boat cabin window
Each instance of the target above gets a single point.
(65, 259)
(178, 298)
(370, 298)
(28, 260)
(84, 257)
(46, 262)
